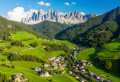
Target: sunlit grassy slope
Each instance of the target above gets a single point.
(108, 51)
(25, 66)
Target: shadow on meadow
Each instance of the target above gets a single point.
(115, 62)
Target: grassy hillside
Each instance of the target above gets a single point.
(97, 31)
(7, 26)
(49, 28)
(25, 66)
(97, 56)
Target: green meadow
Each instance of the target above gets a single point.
(110, 51)
(25, 67)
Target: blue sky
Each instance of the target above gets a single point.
(87, 6)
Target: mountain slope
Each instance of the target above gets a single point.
(97, 31)
(7, 26)
(55, 16)
(49, 28)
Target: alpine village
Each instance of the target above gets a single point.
(50, 46)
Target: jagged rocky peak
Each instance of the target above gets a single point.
(55, 16)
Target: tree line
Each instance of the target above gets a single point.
(18, 57)
(56, 47)
(17, 43)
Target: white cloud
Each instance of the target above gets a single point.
(47, 4)
(73, 3)
(18, 13)
(67, 3)
(43, 3)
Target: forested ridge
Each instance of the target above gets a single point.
(97, 31)
(7, 26)
(49, 28)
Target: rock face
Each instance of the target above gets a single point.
(55, 16)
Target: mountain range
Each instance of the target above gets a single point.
(55, 16)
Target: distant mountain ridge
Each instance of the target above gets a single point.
(55, 16)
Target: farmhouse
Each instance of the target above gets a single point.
(44, 39)
(11, 36)
(54, 64)
(97, 76)
(84, 63)
(61, 67)
(91, 74)
(62, 59)
(77, 77)
(64, 65)
(19, 78)
(51, 58)
(56, 60)
(76, 70)
(78, 65)
(16, 78)
(71, 55)
(55, 67)
(47, 65)
(37, 69)
(88, 64)
(82, 69)
(82, 80)
(45, 74)
(70, 72)
(63, 72)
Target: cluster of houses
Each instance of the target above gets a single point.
(19, 78)
(56, 62)
(96, 76)
(80, 67)
(42, 73)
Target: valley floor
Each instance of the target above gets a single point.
(89, 54)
